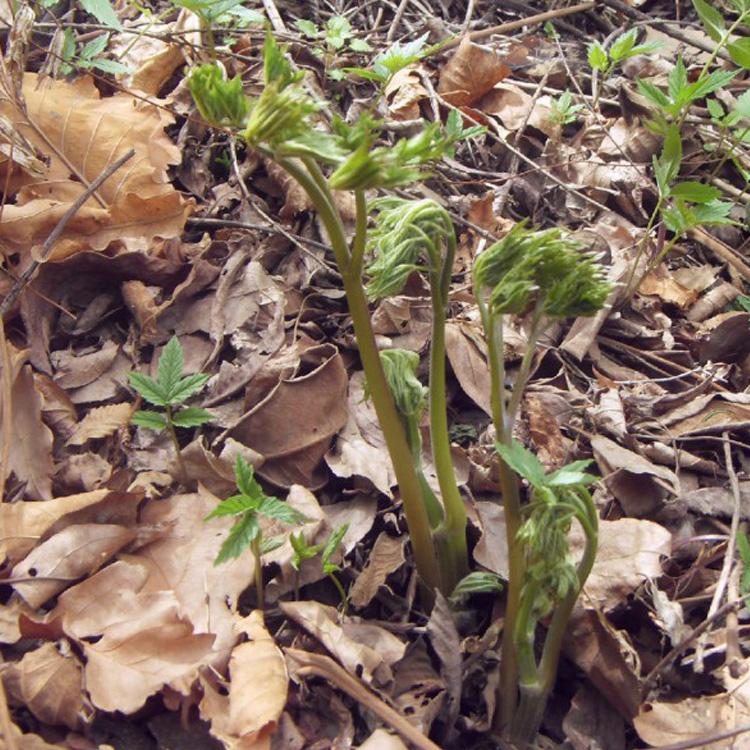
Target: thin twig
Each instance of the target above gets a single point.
(396, 21)
(30, 270)
(726, 567)
(686, 642)
(513, 25)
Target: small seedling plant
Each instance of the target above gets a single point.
(335, 37)
(168, 391)
(247, 507)
(605, 59)
(564, 110)
(544, 275)
(304, 551)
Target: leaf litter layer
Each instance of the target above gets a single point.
(114, 616)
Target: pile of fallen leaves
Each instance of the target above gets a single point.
(116, 627)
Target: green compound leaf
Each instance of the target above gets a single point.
(308, 28)
(246, 482)
(740, 52)
(151, 419)
(147, 387)
(186, 387)
(338, 30)
(219, 101)
(240, 537)
(191, 417)
(623, 45)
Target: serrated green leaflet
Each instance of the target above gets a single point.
(191, 417)
(151, 419)
(152, 391)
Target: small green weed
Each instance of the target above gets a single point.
(247, 506)
(168, 390)
(304, 551)
(564, 111)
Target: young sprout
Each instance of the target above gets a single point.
(168, 390)
(304, 551)
(247, 506)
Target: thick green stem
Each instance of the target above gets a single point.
(533, 695)
(314, 184)
(456, 566)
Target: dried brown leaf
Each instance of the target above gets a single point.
(100, 422)
(386, 557)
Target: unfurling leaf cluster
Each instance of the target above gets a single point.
(545, 268)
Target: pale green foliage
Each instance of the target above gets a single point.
(555, 500)
(406, 232)
(680, 94)
(564, 111)
(169, 389)
(715, 26)
(625, 46)
(216, 11)
(220, 101)
(541, 267)
(678, 213)
(246, 507)
(103, 11)
(409, 395)
(337, 33)
(88, 57)
(395, 58)
(476, 582)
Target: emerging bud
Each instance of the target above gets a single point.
(219, 101)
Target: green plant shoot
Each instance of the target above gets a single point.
(247, 507)
(168, 390)
(304, 551)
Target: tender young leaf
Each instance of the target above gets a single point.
(742, 105)
(103, 11)
(623, 45)
(743, 550)
(279, 510)
(95, 47)
(332, 545)
(191, 417)
(302, 550)
(711, 18)
(714, 213)
(308, 28)
(152, 419)
(272, 543)
(246, 482)
(171, 362)
(478, 582)
(107, 66)
(237, 505)
(705, 85)
(338, 30)
(359, 45)
(598, 58)
(240, 537)
(571, 475)
(695, 192)
(653, 93)
(715, 109)
(671, 153)
(186, 387)
(739, 51)
(523, 462)
(149, 388)
(677, 80)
